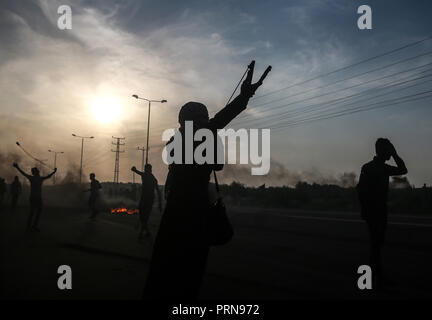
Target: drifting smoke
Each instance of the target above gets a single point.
(72, 175)
(280, 176)
(65, 195)
(400, 183)
(117, 201)
(6, 170)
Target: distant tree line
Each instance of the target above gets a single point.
(403, 198)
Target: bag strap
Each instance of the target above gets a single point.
(238, 84)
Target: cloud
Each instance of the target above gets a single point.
(180, 51)
(50, 81)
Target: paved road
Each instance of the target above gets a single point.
(290, 254)
(276, 254)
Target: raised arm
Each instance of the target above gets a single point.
(134, 169)
(233, 109)
(51, 174)
(400, 168)
(22, 172)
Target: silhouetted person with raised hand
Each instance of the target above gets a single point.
(148, 187)
(181, 248)
(15, 191)
(373, 189)
(95, 186)
(35, 195)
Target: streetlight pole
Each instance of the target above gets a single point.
(148, 130)
(142, 160)
(55, 162)
(82, 151)
(148, 120)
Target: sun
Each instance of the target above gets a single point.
(106, 109)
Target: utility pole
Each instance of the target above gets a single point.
(82, 151)
(55, 162)
(117, 159)
(142, 160)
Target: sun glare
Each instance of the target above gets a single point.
(106, 109)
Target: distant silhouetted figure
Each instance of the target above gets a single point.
(2, 191)
(373, 192)
(148, 188)
(95, 186)
(15, 191)
(35, 195)
(180, 251)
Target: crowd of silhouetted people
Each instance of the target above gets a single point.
(182, 242)
(14, 190)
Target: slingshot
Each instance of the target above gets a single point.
(249, 72)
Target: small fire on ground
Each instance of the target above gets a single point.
(124, 211)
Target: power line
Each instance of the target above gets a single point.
(341, 99)
(269, 109)
(318, 110)
(389, 84)
(349, 78)
(346, 67)
(348, 112)
(357, 109)
(332, 106)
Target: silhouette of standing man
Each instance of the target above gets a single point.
(180, 251)
(95, 186)
(373, 193)
(35, 195)
(15, 190)
(148, 187)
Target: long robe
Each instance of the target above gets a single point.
(180, 251)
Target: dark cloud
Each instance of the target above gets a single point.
(18, 14)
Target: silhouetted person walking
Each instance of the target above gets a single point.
(148, 187)
(180, 251)
(95, 186)
(373, 192)
(15, 190)
(35, 195)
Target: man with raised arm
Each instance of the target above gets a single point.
(148, 188)
(373, 189)
(181, 248)
(35, 195)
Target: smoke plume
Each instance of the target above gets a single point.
(279, 175)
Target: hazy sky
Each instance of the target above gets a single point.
(57, 82)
